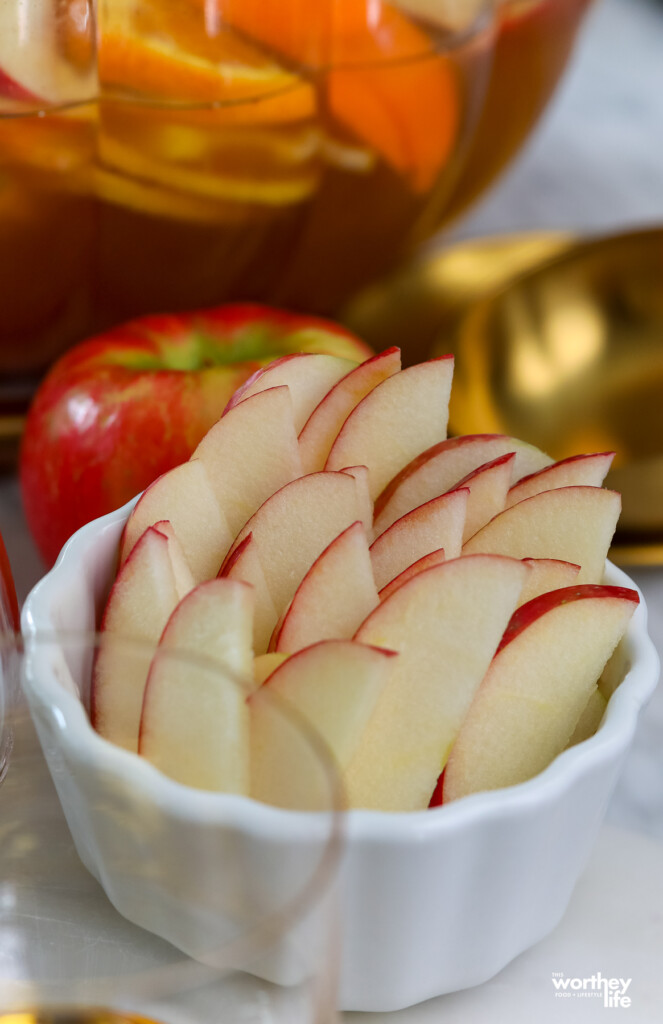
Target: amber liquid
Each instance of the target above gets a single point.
(124, 206)
(118, 208)
(533, 45)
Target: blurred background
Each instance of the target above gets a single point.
(595, 162)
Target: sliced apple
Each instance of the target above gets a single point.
(142, 598)
(444, 465)
(251, 452)
(590, 718)
(574, 524)
(396, 421)
(445, 623)
(590, 470)
(488, 487)
(184, 579)
(335, 596)
(360, 474)
(309, 376)
(264, 665)
(427, 562)
(184, 496)
(324, 423)
(244, 564)
(437, 524)
(528, 705)
(335, 686)
(294, 526)
(194, 724)
(547, 574)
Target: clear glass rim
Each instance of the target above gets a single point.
(186, 972)
(481, 20)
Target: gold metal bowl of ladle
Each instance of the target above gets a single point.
(568, 354)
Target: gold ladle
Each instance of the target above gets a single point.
(567, 354)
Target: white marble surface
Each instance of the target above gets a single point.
(595, 164)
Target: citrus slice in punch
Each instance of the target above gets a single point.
(382, 77)
(163, 52)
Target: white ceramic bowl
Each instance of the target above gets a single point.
(433, 901)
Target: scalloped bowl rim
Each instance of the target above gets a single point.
(85, 744)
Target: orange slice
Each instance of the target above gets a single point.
(384, 80)
(241, 188)
(163, 51)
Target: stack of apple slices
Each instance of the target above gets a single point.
(433, 606)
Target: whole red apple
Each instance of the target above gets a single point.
(118, 410)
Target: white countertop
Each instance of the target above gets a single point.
(595, 164)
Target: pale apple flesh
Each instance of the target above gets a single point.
(589, 470)
(334, 685)
(488, 487)
(547, 574)
(444, 465)
(185, 497)
(426, 562)
(250, 453)
(445, 623)
(437, 524)
(574, 524)
(396, 421)
(590, 718)
(318, 433)
(542, 676)
(294, 526)
(308, 376)
(244, 564)
(335, 596)
(142, 598)
(194, 722)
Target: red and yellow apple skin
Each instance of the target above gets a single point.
(120, 409)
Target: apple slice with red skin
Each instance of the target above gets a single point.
(590, 470)
(365, 504)
(146, 590)
(396, 421)
(444, 465)
(184, 579)
(544, 671)
(547, 574)
(427, 562)
(296, 523)
(446, 623)
(438, 523)
(575, 524)
(488, 486)
(250, 453)
(183, 496)
(335, 685)
(318, 433)
(194, 724)
(244, 564)
(335, 596)
(308, 375)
